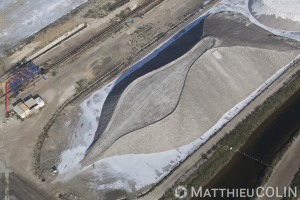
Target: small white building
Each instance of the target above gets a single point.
(40, 102)
(30, 103)
(29, 106)
(24, 108)
(35, 104)
(20, 111)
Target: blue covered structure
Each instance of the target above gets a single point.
(24, 76)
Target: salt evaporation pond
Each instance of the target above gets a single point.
(20, 19)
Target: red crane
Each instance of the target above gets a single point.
(6, 98)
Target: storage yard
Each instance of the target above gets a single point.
(57, 88)
(115, 90)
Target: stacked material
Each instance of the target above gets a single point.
(279, 14)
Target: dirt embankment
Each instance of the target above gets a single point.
(95, 66)
(286, 168)
(225, 72)
(19, 137)
(230, 71)
(270, 99)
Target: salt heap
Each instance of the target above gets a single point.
(279, 14)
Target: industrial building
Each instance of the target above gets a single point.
(23, 77)
(20, 111)
(24, 108)
(19, 79)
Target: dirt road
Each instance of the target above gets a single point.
(22, 190)
(14, 187)
(285, 169)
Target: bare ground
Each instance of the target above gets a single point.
(18, 138)
(227, 72)
(188, 166)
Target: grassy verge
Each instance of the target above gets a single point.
(237, 137)
(81, 85)
(295, 183)
(275, 160)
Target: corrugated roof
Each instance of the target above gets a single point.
(30, 103)
(38, 100)
(23, 106)
(19, 110)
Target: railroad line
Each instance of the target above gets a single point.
(150, 47)
(102, 32)
(117, 70)
(121, 67)
(57, 44)
(116, 5)
(86, 43)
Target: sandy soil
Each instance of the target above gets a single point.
(94, 8)
(59, 138)
(62, 26)
(107, 54)
(18, 138)
(2, 185)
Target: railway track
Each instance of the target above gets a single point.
(101, 33)
(116, 5)
(121, 67)
(86, 43)
(150, 47)
(106, 78)
(57, 44)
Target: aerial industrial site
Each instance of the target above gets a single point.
(149, 99)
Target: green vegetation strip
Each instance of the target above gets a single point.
(275, 160)
(237, 137)
(295, 183)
